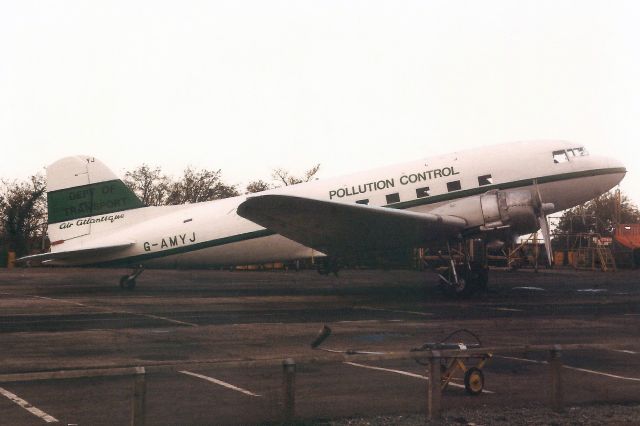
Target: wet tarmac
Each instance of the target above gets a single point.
(183, 325)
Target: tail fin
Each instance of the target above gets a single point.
(81, 186)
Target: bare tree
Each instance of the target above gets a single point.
(257, 186)
(149, 184)
(282, 175)
(23, 209)
(200, 185)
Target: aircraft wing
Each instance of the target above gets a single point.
(75, 255)
(339, 228)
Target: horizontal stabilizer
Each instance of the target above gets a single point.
(76, 255)
(340, 229)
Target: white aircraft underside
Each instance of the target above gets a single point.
(473, 193)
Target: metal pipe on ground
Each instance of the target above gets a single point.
(289, 389)
(555, 364)
(434, 390)
(138, 404)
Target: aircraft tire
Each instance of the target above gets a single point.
(460, 291)
(474, 381)
(470, 282)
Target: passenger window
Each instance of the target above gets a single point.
(454, 186)
(581, 152)
(422, 192)
(485, 180)
(363, 201)
(393, 198)
(560, 157)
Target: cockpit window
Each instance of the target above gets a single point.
(567, 154)
(581, 152)
(560, 156)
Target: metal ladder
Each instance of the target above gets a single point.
(607, 261)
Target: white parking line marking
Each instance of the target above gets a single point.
(509, 309)
(30, 408)
(520, 359)
(613, 376)
(220, 382)
(404, 373)
(162, 318)
(625, 351)
(397, 311)
(569, 367)
(112, 311)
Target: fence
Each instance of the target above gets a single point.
(434, 359)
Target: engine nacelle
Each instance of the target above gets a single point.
(514, 209)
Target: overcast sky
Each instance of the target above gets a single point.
(248, 86)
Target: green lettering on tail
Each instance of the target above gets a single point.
(90, 200)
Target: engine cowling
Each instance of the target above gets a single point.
(514, 209)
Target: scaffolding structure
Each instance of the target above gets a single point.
(588, 251)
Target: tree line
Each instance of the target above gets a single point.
(155, 188)
(23, 203)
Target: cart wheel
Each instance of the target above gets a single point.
(474, 381)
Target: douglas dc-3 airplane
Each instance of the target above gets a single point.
(490, 193)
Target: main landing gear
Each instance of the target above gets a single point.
(129, 281)
(462, 278)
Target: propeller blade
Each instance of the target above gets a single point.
(541, 212)
(544, 229)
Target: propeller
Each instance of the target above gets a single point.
(541, 210)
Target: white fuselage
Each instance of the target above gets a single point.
(212, 233)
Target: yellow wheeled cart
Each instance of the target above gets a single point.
(473, 375)
(459, 361)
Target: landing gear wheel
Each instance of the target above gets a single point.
(474, 381)
(469, 281)
(460, 290)
(127, 283)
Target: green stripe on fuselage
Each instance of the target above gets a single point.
(90, 200)
(134, 260)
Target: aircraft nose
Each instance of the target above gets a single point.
(614, 166)
(614, 163)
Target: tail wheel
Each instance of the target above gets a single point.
(474, 381)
